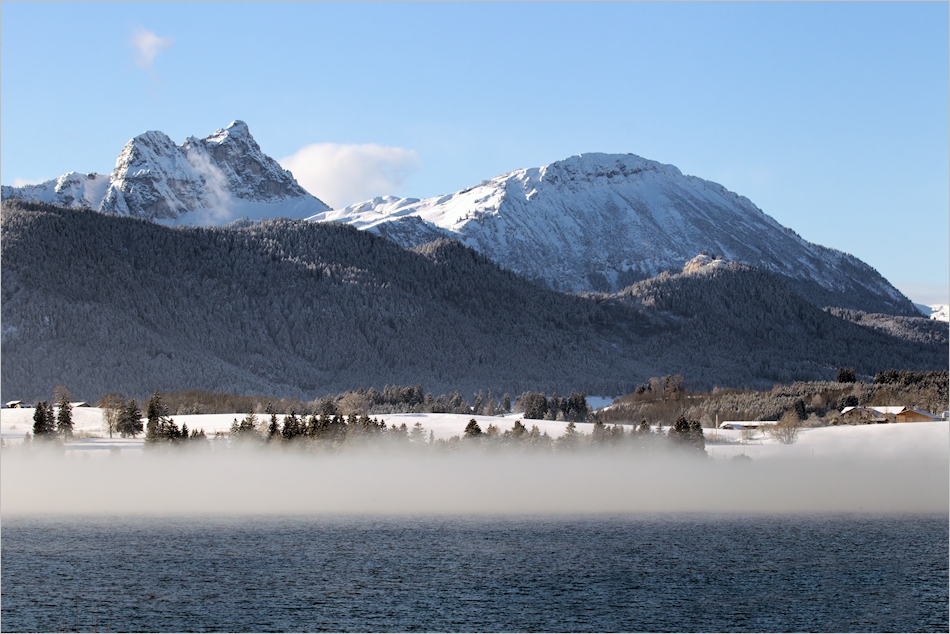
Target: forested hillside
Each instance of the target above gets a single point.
(287, 308)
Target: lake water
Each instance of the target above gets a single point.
(599, 573)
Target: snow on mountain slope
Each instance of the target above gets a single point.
(940, 312)
(599, 222)
(69, 190)
(209, 181)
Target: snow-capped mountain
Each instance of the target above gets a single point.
(940, 312)
(213, 181)
(599, 222)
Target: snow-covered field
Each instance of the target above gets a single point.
(899, 441)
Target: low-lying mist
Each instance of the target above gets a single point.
(403, 483)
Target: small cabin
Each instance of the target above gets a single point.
(915, 416)
(14, 404)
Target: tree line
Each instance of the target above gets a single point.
(664, 399)
(329, 430)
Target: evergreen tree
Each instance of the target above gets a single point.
(417, 434)
(130, 421)
(517, 432)
(44, 426)
(688, 434)
(291, 427)
(576, 408)
(846, 375)
(64, 420)
(570, 438)
(273, 430)
(599, 435)
(155, 412)
(472, 430)
(534, 405)
(246, 429)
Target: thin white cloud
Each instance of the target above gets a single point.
(22, 182)
(343, 174)
(147, 45)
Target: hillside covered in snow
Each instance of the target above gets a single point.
(210, 181)
(600, 222)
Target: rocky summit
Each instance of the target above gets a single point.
(211, 181)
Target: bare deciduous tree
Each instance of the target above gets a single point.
(786, 429)
(111, 405)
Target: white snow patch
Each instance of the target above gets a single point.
(940, 312)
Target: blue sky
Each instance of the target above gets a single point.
(831, 117)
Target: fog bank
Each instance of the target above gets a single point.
(278, 483)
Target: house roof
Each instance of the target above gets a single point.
(889, 409)
(880, 409)
(742, 424)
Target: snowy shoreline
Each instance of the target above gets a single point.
(896, 441)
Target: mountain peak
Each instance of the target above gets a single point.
(599, 164)
(600, 222)
(237, 130)
(214, 180)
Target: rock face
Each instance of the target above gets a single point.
(600, 222)
(208, 181)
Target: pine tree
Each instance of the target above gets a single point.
(846, 375)
(130, 422)
(517, 432)
(64, 420)
(155, 412)
(291, 426)
(472, 430)
(418, 433)
(246, 429)
(570, 438)
(44, 426)
(688, 434)
(477, 407)
(273, 430)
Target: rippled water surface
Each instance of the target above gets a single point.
(627, 573)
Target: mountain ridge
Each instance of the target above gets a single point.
(105, 303)
(600, 222)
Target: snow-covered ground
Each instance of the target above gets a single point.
(898, 441)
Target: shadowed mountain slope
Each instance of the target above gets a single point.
(105, 303)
